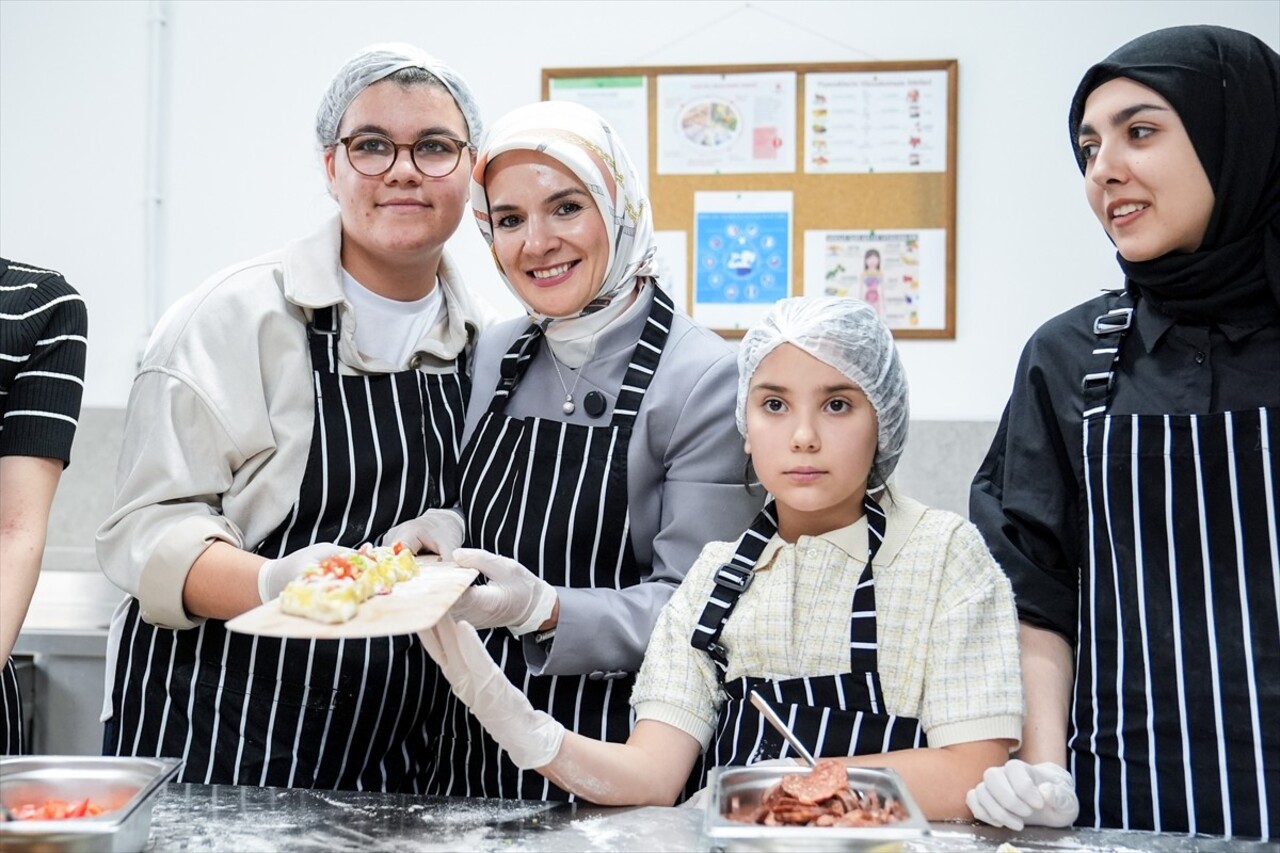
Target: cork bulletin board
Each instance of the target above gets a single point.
(770, 181)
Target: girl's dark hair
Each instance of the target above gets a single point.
(413, 76)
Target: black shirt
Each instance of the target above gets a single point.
(1027, 497)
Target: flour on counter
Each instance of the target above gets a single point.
(480, 813)
(602, 836)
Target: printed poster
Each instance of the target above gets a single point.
(742, 246)
(672, 266)
(902, 274)
(623, 102)
(868, 123)
(712, 124)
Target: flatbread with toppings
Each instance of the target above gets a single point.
(333, 589)
(371, 592)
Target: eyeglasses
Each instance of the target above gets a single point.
(372, 154)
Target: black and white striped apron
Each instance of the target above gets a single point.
(838, 714)
(12, 737)
(310, 713)
(1176, 718)
(552, 496)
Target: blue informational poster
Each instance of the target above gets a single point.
(743, 257)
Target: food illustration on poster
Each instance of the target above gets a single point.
(710, 123)
(722, 124)
(876, 123)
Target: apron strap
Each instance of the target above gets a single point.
(644, 359)
(1099, 377)
(513, 366)
(322, 338)
(863, 649)
(733, 578)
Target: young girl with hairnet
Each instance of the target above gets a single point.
(294, 406)
(881, 630)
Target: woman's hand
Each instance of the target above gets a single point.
(436, 531)
(274, 575)
(532, 738)
(513, 598)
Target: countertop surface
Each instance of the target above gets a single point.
(246, 819)
(70, 614)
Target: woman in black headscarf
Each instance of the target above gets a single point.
(1131, 492)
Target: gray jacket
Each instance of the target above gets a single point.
(685, 474)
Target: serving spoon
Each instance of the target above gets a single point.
(774, 720)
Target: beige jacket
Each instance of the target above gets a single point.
(219, 423)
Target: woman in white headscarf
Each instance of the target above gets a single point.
(600, 454)
(297, 405)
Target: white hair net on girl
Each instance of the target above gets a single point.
(376, 62)
(849, 335)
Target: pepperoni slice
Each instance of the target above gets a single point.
(821, 797)
(827, 778)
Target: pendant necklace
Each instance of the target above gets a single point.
(569, 406)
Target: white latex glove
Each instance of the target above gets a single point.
(1019, 794)
(513, 598)
(532, 738)
(274, 575)
(699, 798)
(436, 531)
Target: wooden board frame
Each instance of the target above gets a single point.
(879, 201)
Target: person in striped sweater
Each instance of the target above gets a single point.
(43, 331)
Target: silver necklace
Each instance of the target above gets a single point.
(569, 407)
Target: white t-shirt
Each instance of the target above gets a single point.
(388, 330)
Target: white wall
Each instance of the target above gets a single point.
(243, 177)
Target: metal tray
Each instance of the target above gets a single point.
(733, 788)
(124, 787)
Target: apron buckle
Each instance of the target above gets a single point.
(1115, 320)
(734, 578)
(1093, 380)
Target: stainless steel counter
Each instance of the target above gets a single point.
(65, 633)
(243, 819)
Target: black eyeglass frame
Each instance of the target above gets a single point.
(346, 141)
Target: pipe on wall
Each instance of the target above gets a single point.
(156, 166)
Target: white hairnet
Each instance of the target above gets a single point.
(376, 62)
(849, 335)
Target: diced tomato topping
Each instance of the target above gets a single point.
(338, 567)
(56, 810)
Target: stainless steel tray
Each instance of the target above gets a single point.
(734, 788)
(125, 788)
